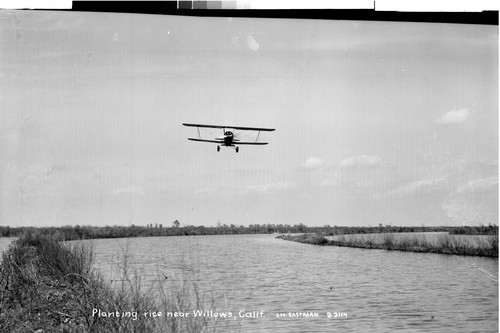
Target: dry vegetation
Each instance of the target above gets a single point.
(487, 246)
(49, 286)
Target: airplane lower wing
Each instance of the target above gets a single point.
(202, 140)
(249, 143)
(234, 143)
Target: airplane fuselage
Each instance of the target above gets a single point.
(226, 140)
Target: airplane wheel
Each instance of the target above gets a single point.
(237, 148)
(218, 148)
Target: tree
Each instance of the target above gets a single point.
(176, 224)
(302, 228)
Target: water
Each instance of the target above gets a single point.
(5, 243)
(368, 290)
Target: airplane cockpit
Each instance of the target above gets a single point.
(229, 133)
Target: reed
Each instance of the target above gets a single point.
(486, 246)
(306, 238)
(52, 286)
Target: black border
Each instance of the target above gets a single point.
(488, 17)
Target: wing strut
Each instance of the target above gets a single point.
(257, 140)
(198, 128)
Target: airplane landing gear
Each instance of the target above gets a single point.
(237, 148)
(218, 148)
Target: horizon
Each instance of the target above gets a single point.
(376, 122)
(248, 226)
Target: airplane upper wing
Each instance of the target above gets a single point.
(233, 127)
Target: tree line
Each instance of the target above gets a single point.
(151, 230)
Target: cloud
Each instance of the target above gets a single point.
(422, 186)
(362, 161)
(479, 185)
(454, 117)
(270, 187)
(209, 191)
(128, 190)
(329, 182)
(313, 163)
(474, 202)
(55, 21)
(252, 43)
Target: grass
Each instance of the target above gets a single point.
(444, 244)
(306, 238)
(52, 286)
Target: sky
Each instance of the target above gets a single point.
(376, 122)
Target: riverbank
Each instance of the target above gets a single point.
(445, 244)
(51, 286)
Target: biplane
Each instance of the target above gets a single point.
(229, 137)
